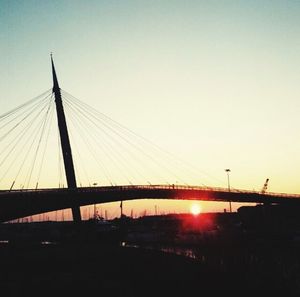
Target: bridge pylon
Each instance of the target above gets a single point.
(65, 141)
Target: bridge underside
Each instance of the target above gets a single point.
(17, 204)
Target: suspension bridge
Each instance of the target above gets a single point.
(119, 162)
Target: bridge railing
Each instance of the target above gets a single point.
(151, 187)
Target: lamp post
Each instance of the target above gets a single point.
(227, 171)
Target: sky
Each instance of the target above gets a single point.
(213, 82)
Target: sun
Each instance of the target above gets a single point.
(195, 209)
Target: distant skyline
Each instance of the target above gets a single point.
(213, 82)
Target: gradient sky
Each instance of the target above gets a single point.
(213, 82)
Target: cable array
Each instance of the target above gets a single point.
(104, 151)
(24, 136)
(121, 155)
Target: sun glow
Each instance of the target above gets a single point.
(195, 209)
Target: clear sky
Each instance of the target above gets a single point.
(213, 82)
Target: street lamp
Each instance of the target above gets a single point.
(227, 171)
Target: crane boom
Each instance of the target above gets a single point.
(265, 187)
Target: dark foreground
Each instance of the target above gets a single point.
(97, 270)
(255, 252)
(89, 269)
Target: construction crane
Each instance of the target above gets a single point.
(264, 188)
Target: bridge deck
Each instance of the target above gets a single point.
(20, 203)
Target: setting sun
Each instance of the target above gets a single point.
(195, 209)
